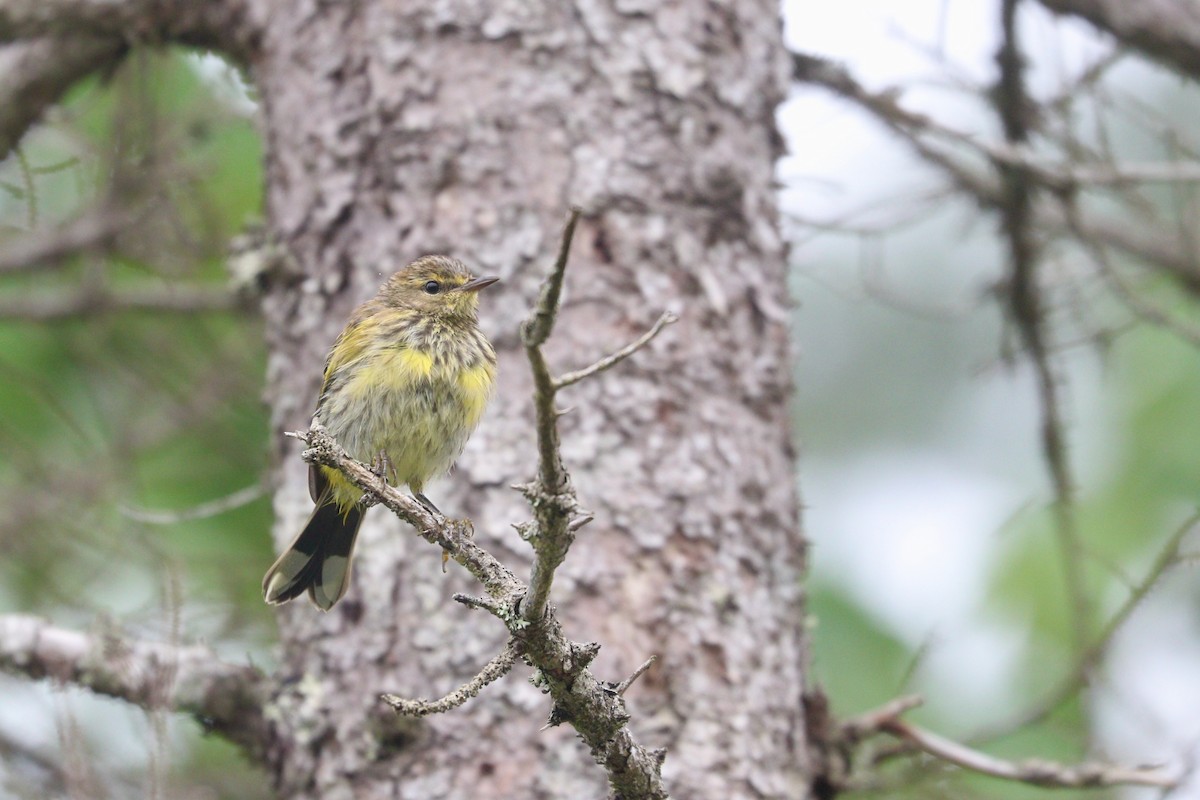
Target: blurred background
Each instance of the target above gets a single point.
(135, 451)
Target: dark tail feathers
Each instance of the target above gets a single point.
(318, 560)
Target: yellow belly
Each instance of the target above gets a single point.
(400, 403)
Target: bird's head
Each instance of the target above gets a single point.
(435, 285)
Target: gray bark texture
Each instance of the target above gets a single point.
(469, 128)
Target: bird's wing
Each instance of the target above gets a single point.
(349, 346)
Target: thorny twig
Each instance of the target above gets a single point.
(551, 496)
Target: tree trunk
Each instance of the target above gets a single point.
(469, 128)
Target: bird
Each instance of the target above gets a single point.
(405, 384)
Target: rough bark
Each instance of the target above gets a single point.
(469, 128)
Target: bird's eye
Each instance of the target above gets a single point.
(432, 287)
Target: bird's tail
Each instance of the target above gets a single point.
(319, 559)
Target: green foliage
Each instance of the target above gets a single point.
(110, 421)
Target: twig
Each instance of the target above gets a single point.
(943, 147)
(89, 302)
(88, 233)
(1166, 32)
(225, 698)
(1026, 308)
(1032, 771)
(612, 360)
(621, 687)
(212, 508)
(495, 669)
(872, 722)
(887, 720)
(1167, 557)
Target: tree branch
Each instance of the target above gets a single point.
(886, 719)
(944, 148)
(91, 232)
(1168, 557)
(89, 302)
(1167, 31)
(224, 698)
(495, 669)
(550, 496)
(225, 25)
(596, 713)
(563, 381)
(1032, 771)
(34, 75)
(1025, 307)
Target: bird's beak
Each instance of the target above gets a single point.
(478, 283)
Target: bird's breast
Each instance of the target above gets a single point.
(418, 406)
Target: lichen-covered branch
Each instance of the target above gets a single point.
(594, 710)
(550, 496)
(494, 670)
(453, 536)
(609, 361)
(225, 698)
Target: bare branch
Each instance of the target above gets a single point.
(1167, 31)
(1033, 771)
(33, 75)
(540, 324)
(1064, 176)
(92, 232)
(219, 24)
(453, 536)
(86, 301)
(495, 669)
(1169, 556)
(624, 685)
(612, 360)
(944, 148)
(872, 722)
(1025, 306)
(225, 698)
(212, 508)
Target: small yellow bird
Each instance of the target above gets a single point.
(405, 385)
